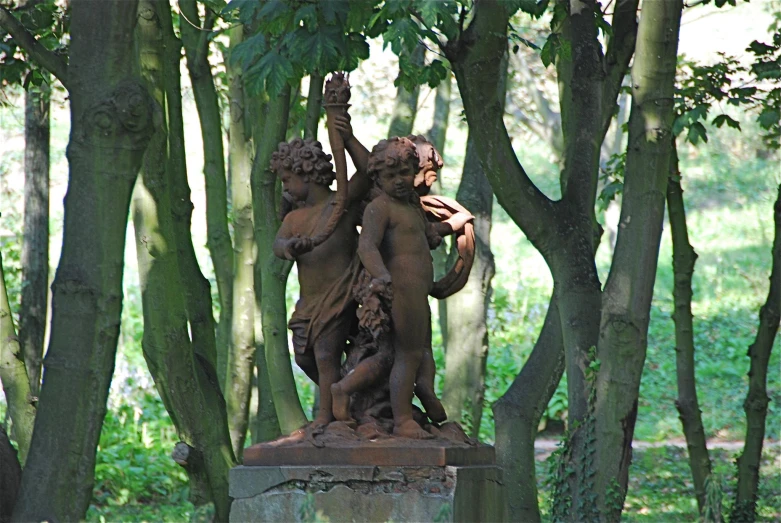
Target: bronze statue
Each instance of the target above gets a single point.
(370, 289)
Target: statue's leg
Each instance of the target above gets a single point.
(409, 341)
(328, 353)
(307, 363)
(424, 383)
(367, 373)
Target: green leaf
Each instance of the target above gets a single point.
(247, 52)
(696, 133)
(401, 34)
(768, 118)
(334, 11)
(548, 53)
(724, 119)
(760, 48)
(271, 73)
(306, 15)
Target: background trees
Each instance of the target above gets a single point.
(599, 334)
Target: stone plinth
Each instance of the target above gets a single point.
(364, 493)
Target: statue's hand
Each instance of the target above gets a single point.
(378, 285)
(342, 124)
(296, 246)
(459, 219)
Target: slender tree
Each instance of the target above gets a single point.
(196, 37)
(467, 331)
(755, 405)
(185, 379)
(405, 107)
(13, 376)
(110, 128)
(271, 272)
(241, 361)
(35, 245)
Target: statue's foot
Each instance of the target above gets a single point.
(435, 411)
(410, 429)
(314, 429)
(340, 404)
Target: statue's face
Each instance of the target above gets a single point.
(397, 181)
(296, 186)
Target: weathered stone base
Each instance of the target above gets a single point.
(367, 493)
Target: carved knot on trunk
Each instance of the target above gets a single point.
(122, 119)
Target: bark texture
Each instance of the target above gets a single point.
(629, 288)
(467, 332)
(35, 247)
(196, 46)
(110, 126)
(13, 376)
(271, 272)
(314, 105)
(241, 360)
(186, 381)
(757, 400)
(687, 404)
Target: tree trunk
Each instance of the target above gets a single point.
(110, 127)
(687, 404)
(196, 46)
(314, 105)
(756, 401)
(10, 478)
(437, 135)
(629, 288)
(18, 393)
(518, 412)
(467, 347)
(266, 422)
(241, 361)
(198, 298)
(35, 247)
(405, 108)
(271, 272)
(186, 381)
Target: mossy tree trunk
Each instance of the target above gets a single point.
(467, 331)
(687, 404)
(13, 376)
(757, 400)
(186, 381)
(35, 246)
(241, 360)
(271, 272)
(196, 46)
(111, 120)
(565, 231)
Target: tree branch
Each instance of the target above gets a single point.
(44, 57)
(477, 58)
(620, 49)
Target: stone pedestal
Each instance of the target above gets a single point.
(364, 493)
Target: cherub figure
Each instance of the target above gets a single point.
(325, 310)
(394, 248)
